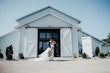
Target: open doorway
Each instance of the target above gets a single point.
(44, 36)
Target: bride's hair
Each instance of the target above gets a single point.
(52, 39)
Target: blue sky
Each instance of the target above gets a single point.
(93, 14)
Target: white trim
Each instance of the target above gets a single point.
(19, 26)
(48, 7)
(65, 21)
(46, 15)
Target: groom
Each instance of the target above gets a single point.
(49, 43)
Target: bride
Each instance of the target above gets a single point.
(48, 54)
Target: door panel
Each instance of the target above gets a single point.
(66, 42)
(31, 50)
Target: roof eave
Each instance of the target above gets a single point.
(44, 9)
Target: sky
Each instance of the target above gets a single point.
(93, 14)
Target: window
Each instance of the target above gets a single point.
(42, 35)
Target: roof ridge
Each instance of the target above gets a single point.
(44, 9)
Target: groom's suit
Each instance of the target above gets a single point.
(48, 45)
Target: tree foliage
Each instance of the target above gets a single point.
(107, 40)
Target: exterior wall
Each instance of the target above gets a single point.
(32, 17)
(87, 46)
(105, 49)
(48, 17)
(48, 10)
(95, 43)
(10, 39)
(49, 21)
(22, 39)
(75, 41)
(80, 35)
(62, 15)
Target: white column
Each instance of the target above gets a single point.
(75, 41)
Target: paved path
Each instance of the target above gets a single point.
(59, 65)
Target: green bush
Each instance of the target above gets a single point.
(74, 55)
(108, 54)
(97, 51)
(101, 55)
(1, 55)
(84, 55)
(21, 56)
(9, 52)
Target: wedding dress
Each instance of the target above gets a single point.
(45, 55)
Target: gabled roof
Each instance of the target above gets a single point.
(14, 31)
(47, 8)
(91, 36)
(44, 12)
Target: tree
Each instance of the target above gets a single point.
(107, 40)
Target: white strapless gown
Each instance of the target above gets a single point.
(44, 56)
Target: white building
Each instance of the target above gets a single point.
(35, 29)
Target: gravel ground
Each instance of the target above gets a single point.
(59, 65)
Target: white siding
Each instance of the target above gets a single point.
(105, 49)
(75, 41)
(22, 39)
(48, 17)
(10, 39)
(71, 20)
(79, 42)
(49, 21)
(87, 46)
(95, 44)
(35, 15)
(32, 17)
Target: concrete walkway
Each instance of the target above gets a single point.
(59, 65)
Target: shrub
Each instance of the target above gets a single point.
(9, 52)
(74, 55)
(21, 56)
(84, 55)
(1, 55)
(101, 55)
(97, 51)
(108, 54)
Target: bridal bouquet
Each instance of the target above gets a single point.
(49, 53)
